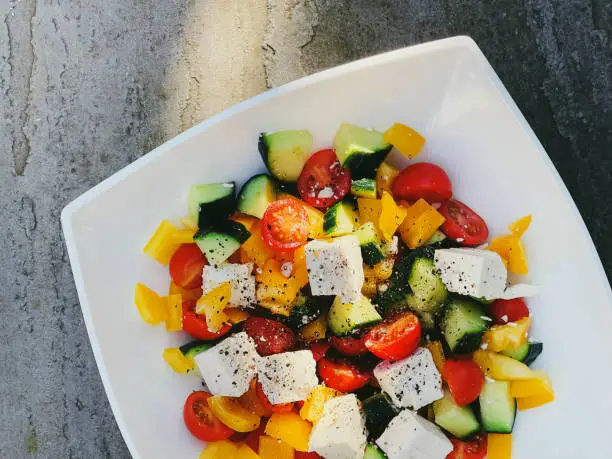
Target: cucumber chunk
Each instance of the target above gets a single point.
(378, 411)
(221, 241)
(307, 308)
(497, 407)
(372, 452)
(193, 348)
(372, 250)
(526, 353)
(341, 218)
(211, 202)
(438, 236)
(428, 291)
(360, 150)
(343, 318)
(365, 188)
(256, 195)
(285, 153)
(458, 420)
(463, 325)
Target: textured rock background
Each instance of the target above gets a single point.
(87, 86)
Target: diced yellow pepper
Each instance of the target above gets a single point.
(235, 315)
(369, 287)
(408, 141)
(437, 353)
(166, 240)
(315, 217)
(500, 367)
(224, 449)
(421, 222)
(385, 175)
(151, 306)
(526, 403)
(380, 271)
(509, 336)
(499, 446)
(189, 223)
(255, 250)
(369, 210)
(291, 429)
(531, 387)
(177, 360)
(315, 330)
(519, 227)
(231, 413)
(271, 448)
(187, 294)
(510, 247)
(213, 304)
(391, 216)
(174, 321)
(274, 290)
(245, 452)
(246, 220)
(183, 236)
(312, 410)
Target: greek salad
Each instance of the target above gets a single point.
(336, 307)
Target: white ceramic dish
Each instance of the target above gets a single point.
(447, 91)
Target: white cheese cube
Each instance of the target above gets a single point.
(335, 268)
(229, 367)
(520, 291)
(341, 432)
(239, 275)
(287, 377)
(473, 272)
(412, 382)
(408, 435)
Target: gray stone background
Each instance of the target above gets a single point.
(88, 86)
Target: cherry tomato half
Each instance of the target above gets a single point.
(342, 376)
(504, 311)
(284, 225)
(395, 338)
(279, 408)
(270, 336)
(323, 181)
(473, 449)
(201, 421)
(464, 379)
(195, 324)
(319, 349)
(252, 439)
(462, 223)
(349, 345)
(186, 266)
(422, 180)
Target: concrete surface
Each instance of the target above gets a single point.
(88, 86)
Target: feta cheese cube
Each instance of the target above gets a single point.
(239, 275)
(473, 272)
(229, 367)
(287, 377)
(412, 382)
(335, 268)
(341, 432)
(520, 291)
(408, 435)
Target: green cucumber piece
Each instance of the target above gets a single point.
(256, 195)
(378, 411)
(460, 421)
(193, 348)
(372, 452)
(360, 150)
(526, 353)
(438, 236)
(285, 153)
(365, 188)
(210, 203)
(428, 291)
(341, 218)
(307, 308)
(343, 318)
(221, 241)
(463, 325)
(497, 407)
(372, 250)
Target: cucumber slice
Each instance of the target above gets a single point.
(463, 325)
(365, 188)
(438, 236)
(458, 420)
(307, 308)
(343, 318)
(372, 452)
(193, 348)
(372, 250)
(341, 218)
(428, 291)
(220, 242)
(526, 353)
(497, 407)
(378, 411)
(256, 195)
(360, 150)
(210, 203)
(285, 153)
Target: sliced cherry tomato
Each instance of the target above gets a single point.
(504, 311)
(279, 408)
(349, 345)
(342, 376)
(462, 223)
(201, 421)
(422, 180)
(319, 349)
(284, 225)
(253, 438)
(186, 266)
(195, 324)
(395, 338)
(323, 181)
(473, 449)
(270, 336)
(464, 379)
(302, 455)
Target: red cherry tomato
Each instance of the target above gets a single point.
(395, 338)
(349, 345)
(195, 324)
(462, 223)
(319, 349)
(323, 181)
(270, 336)
(342, 376)
(504, 311)
(473, 449)
(464, 379)
(302, 455)
(186, 266)
(201, 421)
(253, 438)
(284, 225)
(422, 180)
(279, 408)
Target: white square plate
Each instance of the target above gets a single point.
(446, 90)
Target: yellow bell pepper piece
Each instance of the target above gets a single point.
(183, 236)
(315, 330)
(213, 304)
(271, 448)
(421, 222)
(380, 271)
(291, 429)
(274, 290)
(189, 223)
(174, 321)
(163, 244)
(408, 141)
(223, 449)
(510, 336)
(177, 360)
(369, 287)
(510, 247)
(151, 306)
(499, 446)
(539, 386)
(315, 217)
(187, 294)
(255, 250)
(245, 452)
(369, 210)
(231, 413)
(312, 410)
(500, 367)
(437, 353)
(235, 315)
(519, 227)
(385, 175)
(247, 220)
(391, 216)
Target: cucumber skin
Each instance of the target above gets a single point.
(212, 212)
(365, 165)
(243, 201)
